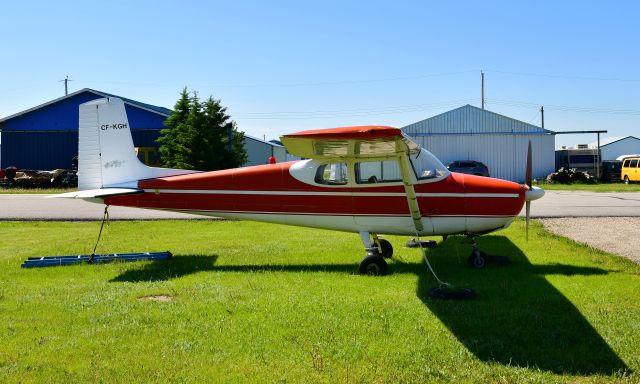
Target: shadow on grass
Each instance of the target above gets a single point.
(519, 318)
(168, 269)
(179, 266)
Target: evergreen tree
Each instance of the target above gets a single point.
(197, 136)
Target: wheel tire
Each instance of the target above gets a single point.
(386, 249)
(477, 260)
(10, 173)
(626, 179)
(373, 265)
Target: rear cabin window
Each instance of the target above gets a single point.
(332, 174)
(626, 163)
(371, 172)
(634, 163)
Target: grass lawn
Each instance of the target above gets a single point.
(603, 187)
(267, 303)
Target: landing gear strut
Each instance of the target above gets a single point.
(478, 259)
(374, 263)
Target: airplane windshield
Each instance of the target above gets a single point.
(427, 166)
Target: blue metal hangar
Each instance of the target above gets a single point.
(45, 137)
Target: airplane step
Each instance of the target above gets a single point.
(52, 261)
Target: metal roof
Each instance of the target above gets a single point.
(469, 120)
(263, 141)
(147, 107)
(611, 140)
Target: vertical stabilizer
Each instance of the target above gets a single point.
(106, 155)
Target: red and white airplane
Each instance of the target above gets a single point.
(369, 180)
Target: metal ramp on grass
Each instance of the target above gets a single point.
(53, 261)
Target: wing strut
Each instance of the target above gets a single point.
(444, 290)
(407, 181)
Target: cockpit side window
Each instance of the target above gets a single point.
(332, 174)
(427, 166)
(386, 171)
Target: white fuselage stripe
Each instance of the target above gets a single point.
(379, 215)
(303, 193)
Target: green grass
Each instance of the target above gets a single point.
(602, 187)
(268, 303)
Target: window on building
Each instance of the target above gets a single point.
(332, 174)
(582, 159)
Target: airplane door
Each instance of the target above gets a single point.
(380, 201)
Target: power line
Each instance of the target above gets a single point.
(571, 77)
(303, 84)
(567, 108)
(292, 115)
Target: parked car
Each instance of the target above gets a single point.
(611, 170)
(630, 170)
(470, 167)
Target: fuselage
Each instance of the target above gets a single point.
(291, 193)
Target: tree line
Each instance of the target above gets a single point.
(200, 135)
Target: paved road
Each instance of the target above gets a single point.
(38, 207)
(553, 204)
(586, 204)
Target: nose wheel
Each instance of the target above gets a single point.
(477, 259)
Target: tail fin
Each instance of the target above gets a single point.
(106, 156)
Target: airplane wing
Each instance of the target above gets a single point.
(360, 143)
(349, 143)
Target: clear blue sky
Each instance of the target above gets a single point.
(283, 66)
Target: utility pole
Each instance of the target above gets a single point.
(482, 88)
(66, 88)
(598, 161)
(542, 114)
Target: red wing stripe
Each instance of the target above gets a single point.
(305, 193)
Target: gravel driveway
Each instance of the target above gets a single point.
(617, 235)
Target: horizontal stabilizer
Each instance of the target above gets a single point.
(98, 193)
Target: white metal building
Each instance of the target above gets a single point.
(500, 142)
(613, 147)
(259, 151)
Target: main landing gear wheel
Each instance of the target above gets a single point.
(626, 179)
(373, 265)
(477, 259)
(386, 249)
